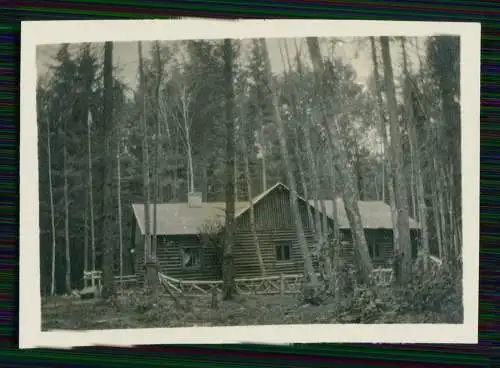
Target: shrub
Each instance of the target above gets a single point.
(434, 296)
(436, 291)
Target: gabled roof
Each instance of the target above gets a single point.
(374, 214)
(181, 219)
(259, 197)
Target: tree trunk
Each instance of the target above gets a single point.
(263, 158)
(236, 190)
(120, 217)
(91, 193)
(300, 117)
(66, 217)
(248, 179)
(156, 181)
(387, 148)
(442, 219)
(435, 210)
(315, 222)
(52, 216)
(320, 218)
(422, 207)
(451, 211)
(383, 159)
(400, 179)
(336, 256)
(187, 132)
(454, 216)
(108, 246)
(86, 236)
(350, 194)
(311, 279)
(148, 256)
(359, 175)
(412, 174)
(228, 267)
(190, 157)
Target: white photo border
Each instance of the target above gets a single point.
(55, 32)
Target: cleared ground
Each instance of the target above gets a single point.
(134, 309)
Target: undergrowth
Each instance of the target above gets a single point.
(432, 296)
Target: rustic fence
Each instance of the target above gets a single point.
(269, 285)
(382, 276)
(282, 284)
(94, 278)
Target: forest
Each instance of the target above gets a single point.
(213, 116)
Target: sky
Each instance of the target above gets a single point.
(355, 51)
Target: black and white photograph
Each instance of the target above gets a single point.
(195, 182)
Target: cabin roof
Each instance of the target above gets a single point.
(374, 214)
(181, 219)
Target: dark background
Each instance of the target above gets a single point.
(317, 355)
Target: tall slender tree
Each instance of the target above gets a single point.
(228, 267)
(90, 185)
(159, 72)
(108, 157)
(399, 174)
(385, 143)
(350, 194)
(66, 209)
(52, 213)
(148, 255)
(309, 273)
(412, 133)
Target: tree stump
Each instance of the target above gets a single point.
(214, 302)
(229, 288)
(152, 281)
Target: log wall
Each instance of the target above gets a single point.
(168, 254)
(275, 224)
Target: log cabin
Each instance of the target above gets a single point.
(183, 253)
(377, 223)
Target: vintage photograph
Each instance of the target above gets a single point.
(250, 181)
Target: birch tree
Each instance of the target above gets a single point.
(350, 195)
(159, 72)
(315, 220)
(311, 280)
(52, 214)
(248, 179)
(90, 185)
(385, 143)
(228, 264)
(119, 199)
(148, 255)
(186, 92)
(422, 207)
(399, 175)
(108, 158)
(66, 211)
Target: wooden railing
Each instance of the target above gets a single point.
(382, 276)
(282, 284)
(94, 278)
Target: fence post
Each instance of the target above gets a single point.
(282, 285)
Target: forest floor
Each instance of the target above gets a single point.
(135, 310)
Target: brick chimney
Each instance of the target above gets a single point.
(195, 199)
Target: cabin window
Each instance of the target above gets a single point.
(190, 258)
(283, 252)
(375, 249)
